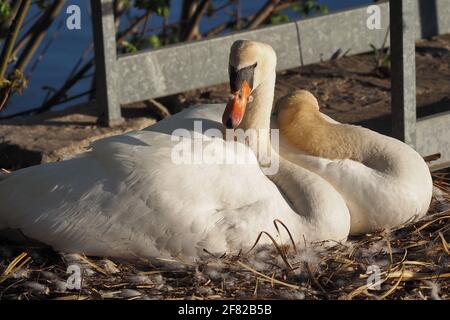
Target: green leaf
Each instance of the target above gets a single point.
(17, 82)
(323, 8)
(297, 8)
(129, 47)
(163, 11)
(154, 41)
(126, 4)
(278, 17)
(310, 6)
(5, 11)
(4, 83)
(160, 7)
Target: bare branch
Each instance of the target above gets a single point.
(192, 26)
(230, 24)
(218, 29)
(37, 37)
(121, 37)
(263, 13)
(12, 36)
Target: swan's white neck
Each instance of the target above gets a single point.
(258, 112)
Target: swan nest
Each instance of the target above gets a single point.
(409, 262)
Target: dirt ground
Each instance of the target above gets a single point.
(348, 89)
(53, 136)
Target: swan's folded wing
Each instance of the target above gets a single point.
(128, 198)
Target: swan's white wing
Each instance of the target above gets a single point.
(127, 198)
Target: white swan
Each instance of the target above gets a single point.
(128, 198)
(384, 182)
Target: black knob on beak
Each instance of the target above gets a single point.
(229, 124)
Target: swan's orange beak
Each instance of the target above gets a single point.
(235, 109)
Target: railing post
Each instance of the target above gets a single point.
(106, 61)
(403, 70)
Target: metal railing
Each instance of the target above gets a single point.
(173, 69)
